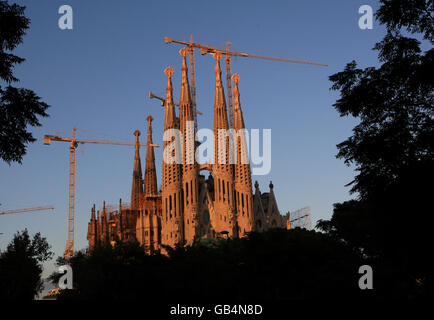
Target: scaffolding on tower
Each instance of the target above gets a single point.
(301, 218)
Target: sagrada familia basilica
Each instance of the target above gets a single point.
(190, 206)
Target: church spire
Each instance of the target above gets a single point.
(220, 111)
(93, 214)
(243, 180)
(186, 115)
(137, 186)
(170, 120)
(222, 169)
(150, 172)
(190, 173)
(185, 97)
(238, 114)
(171, 183)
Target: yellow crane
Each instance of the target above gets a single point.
(27, 210)
(204, 49)
(73, 144)
(153, 96)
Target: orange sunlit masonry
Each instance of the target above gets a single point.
(190, 205)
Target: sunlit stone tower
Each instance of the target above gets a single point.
(190, 205)
(224, 202)
(172, 215)
(137, 186)
(243, 178)
(190, 171)
(150, 181)
(148, 226)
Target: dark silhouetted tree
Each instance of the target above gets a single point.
(276, 265)
(19, 108)
(21, 266)
(392, 147)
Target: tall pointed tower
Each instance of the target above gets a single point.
(225, 221)
(190, 172)
(137, 187)
(150, 172)
(172, 230)
(92, 230)
(148, 224)
(243, 178)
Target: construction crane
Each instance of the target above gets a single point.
(204, 49)
(27, 210)
(153, 96)
(74, 142)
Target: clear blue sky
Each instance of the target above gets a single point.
(97, 76)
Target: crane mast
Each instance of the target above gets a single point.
(69, 250)
(193, 81)
(229, 86)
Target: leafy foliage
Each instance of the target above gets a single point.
(19, 108)
(21, 266)
(395, 104)
(392, 148)
(415, 15)
(275, 265)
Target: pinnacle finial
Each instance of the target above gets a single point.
(235, 78)
(183, 52)
(217, 56)
(218, 71)
(169, 72)
(137, 134)
(149, 118)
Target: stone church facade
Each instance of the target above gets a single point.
(190, 205)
